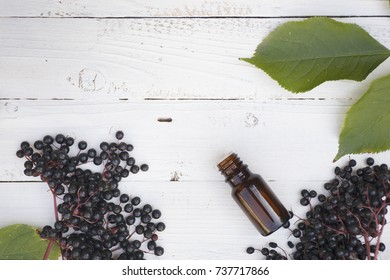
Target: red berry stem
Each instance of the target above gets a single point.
(48, 249)
(55, 205)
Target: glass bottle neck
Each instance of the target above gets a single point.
(234, 170)
(238, 177)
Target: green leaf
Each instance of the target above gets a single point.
(22, 242)
(302, 55)
(366, 126)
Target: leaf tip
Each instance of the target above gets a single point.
(338, 156)
(246, 59)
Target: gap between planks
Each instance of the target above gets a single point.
(192, 17)
(173, 99)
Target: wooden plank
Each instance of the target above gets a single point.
(151, 59)
(224, 234)
(271, 136)
(190, 8)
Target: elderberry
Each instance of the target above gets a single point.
(93, 216)
(346, 221)
(250, 250)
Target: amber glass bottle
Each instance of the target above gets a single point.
(254, 195)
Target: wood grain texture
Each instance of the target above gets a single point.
(151, 59)
(190, 8)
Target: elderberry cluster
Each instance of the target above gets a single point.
(94, 220)
(347, 222)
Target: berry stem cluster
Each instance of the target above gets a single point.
(93, 219)
(347, 222)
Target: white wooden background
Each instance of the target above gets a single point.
(86, 68)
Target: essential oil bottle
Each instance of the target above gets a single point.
(254, 196)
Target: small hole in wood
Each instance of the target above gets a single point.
(164, 119)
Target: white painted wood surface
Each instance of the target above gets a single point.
(88, 68)
(151, 59)
(190, 8)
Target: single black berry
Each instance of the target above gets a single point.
(156, 214)
(82, 145)
(135, 200)
(124, 198)
(144, 167)
(370, 161)
(273, 244)
(160, 226)
(119, 135)
(250, 250)
(159, 251)
(304, 201)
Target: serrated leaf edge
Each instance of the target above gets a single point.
(249, 60)
(340, 154)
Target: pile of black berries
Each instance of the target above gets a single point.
(94, 220)
(346, 223)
